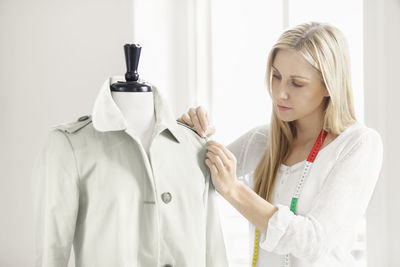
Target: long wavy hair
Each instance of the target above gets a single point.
(325, 48)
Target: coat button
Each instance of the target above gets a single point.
(166, 197)
(83, 118)
(168, 265)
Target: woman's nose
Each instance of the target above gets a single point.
(282, 91)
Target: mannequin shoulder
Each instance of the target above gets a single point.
(74, 126)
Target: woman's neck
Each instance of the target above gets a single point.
(308, 128)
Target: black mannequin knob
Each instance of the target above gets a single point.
(132, 55)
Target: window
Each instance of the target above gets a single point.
(242, 35)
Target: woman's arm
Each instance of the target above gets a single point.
(246, 201)
(341, 202)
(222, 164)
(256, 209)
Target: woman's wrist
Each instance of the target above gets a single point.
(256, 209)
(233, 192)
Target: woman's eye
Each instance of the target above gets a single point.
(275, 76)
(296, 85)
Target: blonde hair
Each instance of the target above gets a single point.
(325, 48)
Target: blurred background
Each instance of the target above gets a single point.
(55, 55)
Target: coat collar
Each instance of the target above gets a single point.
(107, 116)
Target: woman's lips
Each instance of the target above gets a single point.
(282, 107)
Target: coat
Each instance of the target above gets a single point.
(95, 189)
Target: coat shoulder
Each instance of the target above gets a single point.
(191, 128)
(74, 126)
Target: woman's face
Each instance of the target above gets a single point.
(295, 84)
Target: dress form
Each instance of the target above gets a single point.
(138, 110)
(135, 99)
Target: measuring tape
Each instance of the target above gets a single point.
(311, 157)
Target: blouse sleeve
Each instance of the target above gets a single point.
(343, 199)
(248, 149)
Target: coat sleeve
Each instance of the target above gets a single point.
(215, 245)
(55, 195)
(341, 202)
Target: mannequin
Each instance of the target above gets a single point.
(96, 190)
(135, 99)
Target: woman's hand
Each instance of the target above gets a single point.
(222, 164)
(198, 119)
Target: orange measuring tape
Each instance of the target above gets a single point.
(310, 160)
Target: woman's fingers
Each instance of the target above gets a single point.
(196, 122)
(198, 119)
(186, 119)
(218, 152)
(226, 152)
(217, 161)
(213, 168)
(210, 130)
(203, 117)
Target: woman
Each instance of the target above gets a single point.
(309, 174)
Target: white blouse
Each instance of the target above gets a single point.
(328, 229)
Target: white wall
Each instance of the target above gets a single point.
(54, 56)
(163, 29)
(382, 94)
